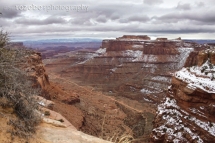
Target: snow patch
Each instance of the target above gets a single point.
(101, 51)
(184, 53)
(172, 119)
(146, 91)
(194, 81)
(161, 78)
(147, 100)
(137, 46)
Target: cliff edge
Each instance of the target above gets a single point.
(187, 114)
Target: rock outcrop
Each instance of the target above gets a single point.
(55, 127)
(35, 69)
(51, 130)
(187, 114)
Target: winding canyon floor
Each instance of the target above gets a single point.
(100, 114)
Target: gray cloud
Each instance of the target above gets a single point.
(135, 18)
(140, 18)
(4, 22)
(9, 13)
(47, 21)
(114, 16)
(200, 4)
(204, 17)
(111, 18)
(101, 19)
(152, 2)
(185, 6)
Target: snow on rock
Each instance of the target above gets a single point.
(173, 117)
(194, 78)
(137, 46)
(101, 51)
(131, 53)
(209, 127)
(207, 69)
(196, 111)
(148, 58)
(147, 91)
(173, 125)
(90, 56)
(113, 69)
(161, 78)
(147, 100)
(184, 53)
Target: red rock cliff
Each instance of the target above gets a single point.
(37, 70)
(148, 47)
(187, 114)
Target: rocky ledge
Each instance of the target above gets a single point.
(187, 114)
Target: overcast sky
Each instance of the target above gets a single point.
(42, 19)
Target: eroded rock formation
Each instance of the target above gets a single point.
(187, 114)
(35, 69)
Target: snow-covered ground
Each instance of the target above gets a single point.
(202, 70)
(173, 125)
(197, 78)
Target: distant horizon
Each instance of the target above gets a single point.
(93, 38)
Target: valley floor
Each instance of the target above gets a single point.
(104, 116)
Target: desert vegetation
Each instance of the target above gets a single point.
(16, 91)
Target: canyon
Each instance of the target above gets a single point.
(121, 84)
(51, 126)
(131, 89)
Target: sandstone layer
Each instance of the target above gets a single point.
(187, 114)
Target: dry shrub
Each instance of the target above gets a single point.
(16, 89)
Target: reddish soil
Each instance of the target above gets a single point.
(97, 114)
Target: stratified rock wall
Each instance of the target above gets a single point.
(125, 63)
(187, 114)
